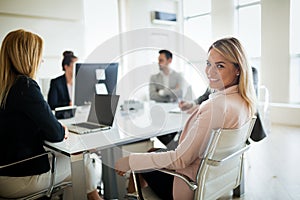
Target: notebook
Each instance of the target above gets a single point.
(101, 115)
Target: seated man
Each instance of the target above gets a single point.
(165, 86)
(189, 107)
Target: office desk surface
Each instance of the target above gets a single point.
(129, 126)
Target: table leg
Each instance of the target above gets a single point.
(112, 188)
(78, 177)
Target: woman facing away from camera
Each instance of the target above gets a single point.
(26, 121)
(230, 106)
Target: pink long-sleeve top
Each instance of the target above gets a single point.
(223, 109)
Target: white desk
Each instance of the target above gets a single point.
(132, 126)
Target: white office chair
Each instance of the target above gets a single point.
(52, 190)
(221, 167)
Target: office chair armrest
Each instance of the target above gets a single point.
(26, 159)
(220, 161)
(192, 185)
(53, 172)
(53, 164)
(139, 195)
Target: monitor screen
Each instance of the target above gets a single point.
(94, 78)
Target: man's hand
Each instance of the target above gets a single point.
(184, 105)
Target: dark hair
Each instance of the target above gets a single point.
(68, 58)
(167, 53)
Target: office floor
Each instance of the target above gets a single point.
(272, 167)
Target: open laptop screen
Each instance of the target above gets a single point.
(101, 115)
(105, 108)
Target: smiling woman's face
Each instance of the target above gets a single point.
(220, 72)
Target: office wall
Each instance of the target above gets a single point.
(138, 16)
(275, 60)
(139, 62)
(275, 70)
(63, 25)
(59, 23)
(79, 25)
(101, 23)
(222, 14)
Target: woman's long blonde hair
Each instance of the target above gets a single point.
(20, 54)
(232, 50)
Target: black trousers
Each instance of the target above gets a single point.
(160, 183)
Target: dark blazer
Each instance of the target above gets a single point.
(26, 122)
(204, 96)
(58, 95)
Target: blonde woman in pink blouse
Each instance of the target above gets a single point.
(231, 106)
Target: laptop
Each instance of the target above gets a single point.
(65, 112)
(101, 115)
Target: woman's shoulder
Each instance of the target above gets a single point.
(25, 82)
(60, 77)
(223, 100)
(26, 86)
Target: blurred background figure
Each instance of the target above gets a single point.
(165, 86)
(61, 88)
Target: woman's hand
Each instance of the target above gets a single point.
(122, 166)
(66, 131)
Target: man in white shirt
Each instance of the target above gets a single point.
(165, 86)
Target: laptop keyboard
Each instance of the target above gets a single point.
(88, 125)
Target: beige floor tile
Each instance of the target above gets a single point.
(272, 166)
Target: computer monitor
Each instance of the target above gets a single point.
(94, 78)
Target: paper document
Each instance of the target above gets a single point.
(100, 74)
(176, 110)
(101, 88)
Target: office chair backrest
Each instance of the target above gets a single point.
(221, 167)
(220, 173)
